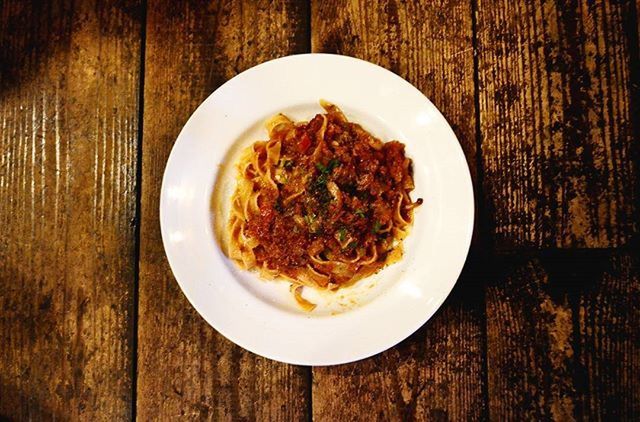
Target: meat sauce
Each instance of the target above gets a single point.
(335, 191)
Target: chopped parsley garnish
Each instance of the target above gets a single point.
(360, 212)
(342, 234)
(376, 227)
(333, 163)
(352, 245)
(318, 186)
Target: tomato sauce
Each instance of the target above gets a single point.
(338, 188)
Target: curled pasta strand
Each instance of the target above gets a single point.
(332, 246)
(291, 197)
(333, 110)
(398, 217)
(297, 293)
(373, 257)
(277, 123)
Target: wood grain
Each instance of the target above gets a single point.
(530, 349)
(608, 318)
(185, 368)
(438, 373)
(558, 145)
(562, 338)
(69, 84)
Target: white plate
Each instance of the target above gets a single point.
(262, 316)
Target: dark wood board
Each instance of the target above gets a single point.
(185, 368)
(562, 338)
(556, 118)
(69, 84)
(608, 346)
(438, 373)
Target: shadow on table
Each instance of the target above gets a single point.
(464, 306)
(23, 406)
(39, 39)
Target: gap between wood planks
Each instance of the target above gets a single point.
(136, 287)
(483, 232)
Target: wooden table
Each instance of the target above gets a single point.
(544, 323)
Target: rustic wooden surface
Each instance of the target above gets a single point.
(191, 48)
(438, 373)
(609, 343)
(562, 337)
(69, 122)
(544, 321)
(556, 115)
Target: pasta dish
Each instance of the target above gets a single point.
(321, 203)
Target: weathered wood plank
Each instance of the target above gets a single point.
(530, 351)
(558, 144)
(69, 84)
(438, 372)
(609, 345)
(185, 368)
(562, 338)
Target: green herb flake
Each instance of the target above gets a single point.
(342, 234)
(333, 163)
(376, 227)
(360, 212)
